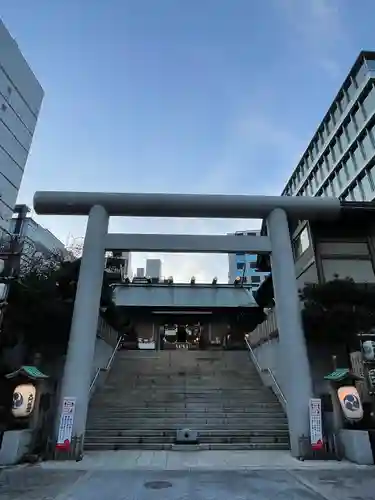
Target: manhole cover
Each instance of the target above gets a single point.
(158, 485)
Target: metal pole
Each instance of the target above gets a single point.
(292, 346)
(81, 348)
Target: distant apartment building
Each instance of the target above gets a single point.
(118, 265)
(243, 265)
(153, 268)
(340, 159)
(20, 101)
(38, 245)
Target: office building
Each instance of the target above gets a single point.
(20, 100)
(35, 245)
(153, 268)
(340, 159)
(243, 265)
(118, 265)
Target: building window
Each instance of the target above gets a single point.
(350, 167)
(361, 75)
(367, 188)
(301, 243)
(356, 193)
(336, 114)
(329, 125)
(351, 89)
(358, 157)
(255, 279)
(253, 265)
(359, 117)
(343, 100)
(371, 174)
(369, 103)
(370, 63)
(240, 265)
(343, 140)
(336, 184)
(367, 147)
(336, 150)
(351, 130)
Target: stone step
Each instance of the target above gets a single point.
(157, 396)
(191, 424)
(170, 446)
(197, 407)
(113, 440)
(109, 413)
(166, 432)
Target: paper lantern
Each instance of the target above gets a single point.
(350, 402)
(368, 350)
(23, 400)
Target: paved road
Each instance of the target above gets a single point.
(34, 483)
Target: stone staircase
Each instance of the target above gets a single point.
(148, 395)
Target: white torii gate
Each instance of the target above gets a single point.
(276, 210)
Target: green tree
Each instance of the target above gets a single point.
(40, 306)
(337, 310)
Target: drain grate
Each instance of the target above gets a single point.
(158, 485)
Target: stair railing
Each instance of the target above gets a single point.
(106, 368)
(275, 385)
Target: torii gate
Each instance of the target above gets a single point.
(275, 209)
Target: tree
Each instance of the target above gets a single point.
(40, 306)
(338, 310)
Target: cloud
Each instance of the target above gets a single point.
(319, 26)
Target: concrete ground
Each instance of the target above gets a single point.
(184, 475)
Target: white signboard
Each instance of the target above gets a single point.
(66, 423)
(316, 430)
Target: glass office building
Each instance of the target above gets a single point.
(340, 159)
(244, 265)
(20, 101)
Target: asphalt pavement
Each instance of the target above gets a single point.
(37, 483)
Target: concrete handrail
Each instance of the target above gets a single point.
(107, 367)
(261, 370)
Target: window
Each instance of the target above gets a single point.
(336, 114)
(336, 150)
(352, 90)
(351, 130)
(371, 131)
(253, 265)
(329, 124)
(361, 75)
(329, 191)
(357, 194)
(371, 174)
(341, 177)
(359, 117)
(255, 279)
(367, 147)
(343, 100)
(367, 188)
(330, 160)
(301, 243)
(369, 103)
(358, 157)
(350, 167)
(336, 185)
(240, 265)
(370, 63)
(343, 139)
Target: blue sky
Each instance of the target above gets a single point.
(207, 96)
